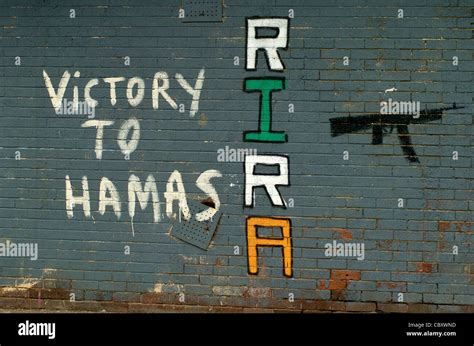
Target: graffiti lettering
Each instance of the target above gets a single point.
(57, 96)
(269, 181)
(254, 241)
(266, 86)
(109, 196)
(269, 44)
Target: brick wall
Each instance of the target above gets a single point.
(355, 177)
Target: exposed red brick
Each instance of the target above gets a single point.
(321, 285)
(339, 274)
(424, 267)
(446, 226)
(443, 226)
(337, 284)
(343, 233)
(392, 285)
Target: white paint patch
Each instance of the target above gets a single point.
(26, 283)
(167, 287)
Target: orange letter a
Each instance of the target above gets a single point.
(253, 241)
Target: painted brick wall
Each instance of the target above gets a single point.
(349, 185)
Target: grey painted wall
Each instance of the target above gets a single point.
(422, 249)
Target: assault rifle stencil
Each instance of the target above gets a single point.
(383, 124)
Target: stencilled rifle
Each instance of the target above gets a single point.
(383, 124)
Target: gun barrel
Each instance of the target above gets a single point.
(439, 110)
